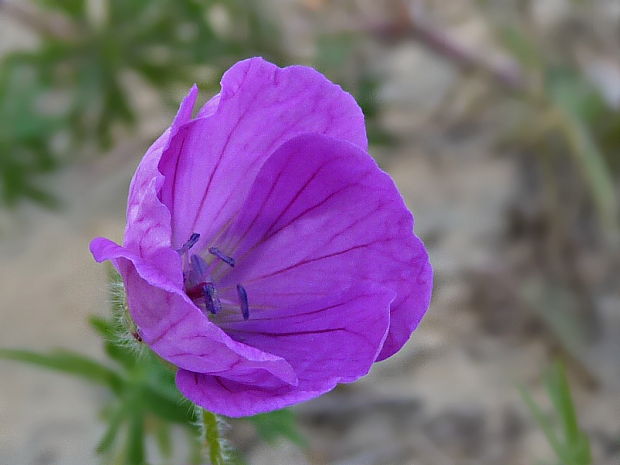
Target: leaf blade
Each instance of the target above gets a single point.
(70, 363)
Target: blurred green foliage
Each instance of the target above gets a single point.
(276, 425)
(570, 445)
(143, 403)
(342, 57)
(73, 94)
(565, 117)
(69, 95)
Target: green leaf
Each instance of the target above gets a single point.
(163, 439)
(577, 445)
(280, 423)
(522, 47)
(559, 393)
(573, 446)
(135, 440)
(172, 410)
(582, 454)
(73, 8)
(543, 422)
(102, 326)
(576, 103)
(115, 346)
(70, 363)
(115, 421)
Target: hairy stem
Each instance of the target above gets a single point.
(213, 438)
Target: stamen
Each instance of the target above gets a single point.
(243, 301)
(198, 268)
(225, 258)
(189, 244)
(212, 301)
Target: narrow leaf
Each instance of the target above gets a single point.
(165, 408)
(542, 421)
(135, 440)
(115, 421)
(163, 439)
(70, 363)
(559, 393)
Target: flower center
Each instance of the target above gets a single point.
(199, 285)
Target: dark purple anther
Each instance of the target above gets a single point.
(189, 244)
(212, 301)
(225, 258)
(243, 301)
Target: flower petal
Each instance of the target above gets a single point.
(211, 163)
(332, 340)
(177, 330)
(321, 217)
(409, 306)
(148, 220)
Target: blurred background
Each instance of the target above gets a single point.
(500, 122)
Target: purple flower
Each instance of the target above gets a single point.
(266, 255)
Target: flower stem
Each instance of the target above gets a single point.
(213, 438)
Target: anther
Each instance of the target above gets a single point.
(191, 242)
(212, 301)
(225, 258)
(243, 301)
